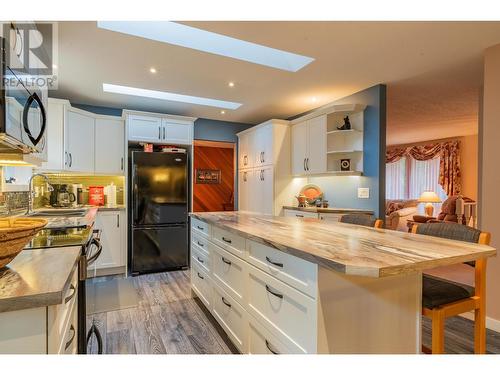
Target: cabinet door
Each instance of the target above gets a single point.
(263, 146)
(109, 146)
(177, 132)
(245, 150)
(299, 148)
(243, 190)
(267, 197)
(113, 254)
(144, 129)
(316, 162)
(79, 142)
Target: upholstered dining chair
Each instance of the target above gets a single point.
(444, 298)
(362, 219)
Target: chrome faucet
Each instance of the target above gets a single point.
(32, 193)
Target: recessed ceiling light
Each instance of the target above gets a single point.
(152, 70)
(231, 84)
(206, 41)
(169, 96)
(314, 99)
(222, 112)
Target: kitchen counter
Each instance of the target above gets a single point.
(333, 210)
(346, 248)
(37, 278)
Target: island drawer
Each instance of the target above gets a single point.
(202, 285)
(201, 257)
(200, 241)
(229, 271)
(294, 271)
(229, 241)
(231, 316)
(283, 310)
(262, 341)
(58, 316)
(329, 217)
(200, 227)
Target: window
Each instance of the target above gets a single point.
(408, 178)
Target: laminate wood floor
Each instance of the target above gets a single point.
(168, 320)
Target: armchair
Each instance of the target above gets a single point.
(398, 212)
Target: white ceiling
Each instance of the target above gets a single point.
(433, 71)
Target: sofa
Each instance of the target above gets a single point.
(398, 212)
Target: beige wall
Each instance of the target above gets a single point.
(468, 162)
(489, 172)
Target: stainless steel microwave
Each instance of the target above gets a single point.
(23, 116)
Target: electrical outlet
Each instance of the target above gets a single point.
(364, 193)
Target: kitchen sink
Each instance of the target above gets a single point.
(77, 212)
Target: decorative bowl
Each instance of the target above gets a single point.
(15, 233)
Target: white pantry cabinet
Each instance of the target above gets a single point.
(309, 146)
(109, 146)
(159, 128)
(264, 167)
(79, 128)
(113, 239)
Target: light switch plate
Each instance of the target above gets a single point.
(364, 193)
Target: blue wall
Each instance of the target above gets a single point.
(341, 191)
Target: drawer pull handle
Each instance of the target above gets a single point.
(274, 263)
(270, 349)
(200, 244)
(226, 240)
(200, 228)
(225, 302)
(226, 261)
(299, 215)
(200, 260)
(70, 341)
(274, 293)
(68, 298)
(201, 277)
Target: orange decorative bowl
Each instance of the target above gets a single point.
(15, 233)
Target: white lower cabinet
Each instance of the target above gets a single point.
(300, 214)
(231, 316)
(266, 310)
(113, 239)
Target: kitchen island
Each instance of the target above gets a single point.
(279, 284)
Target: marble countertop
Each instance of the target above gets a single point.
(333, 210)
(37, 278)
(346, 248)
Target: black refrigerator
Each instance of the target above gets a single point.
(159, 211)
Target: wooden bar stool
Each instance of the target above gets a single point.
(443, 298)
(362, 219)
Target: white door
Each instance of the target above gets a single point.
(263, 146)
(245, 150)
(316, 162)
(110, 223)
(242, 190)
(55, 137)
(144, 129)
(79, 142)
(266, 179)
(109, 146)
(177, 132)
(299, 148)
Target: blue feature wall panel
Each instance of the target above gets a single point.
(342, 191)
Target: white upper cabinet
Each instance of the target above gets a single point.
(109, 146)
(55, 135)
(160, 129)
(309, 146)
(245, 147)
(177, 132)
(79, 136)
(316, 158)
(144, 128)
(263, 146)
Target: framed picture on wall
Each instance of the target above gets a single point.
(208, 176)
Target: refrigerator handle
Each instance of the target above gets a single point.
(135, 206)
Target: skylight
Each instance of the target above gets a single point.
(170, 96)
(206, 41)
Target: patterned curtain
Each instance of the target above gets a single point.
(449, 167)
